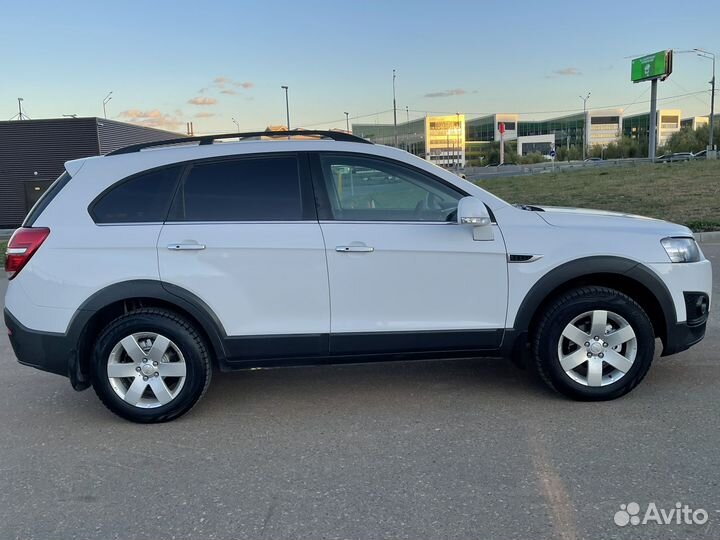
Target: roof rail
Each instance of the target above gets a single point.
(210, 139)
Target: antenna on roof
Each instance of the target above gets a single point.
(20, 115)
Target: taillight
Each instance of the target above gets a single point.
(22, 246)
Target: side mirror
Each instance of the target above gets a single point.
(472, 211)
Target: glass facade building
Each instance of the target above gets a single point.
(694, 122)
(439, 139)
(637, 126)
(595, 127)
(450, 140)
(487, 128)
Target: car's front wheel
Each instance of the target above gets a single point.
(593, 343)
(150, 365)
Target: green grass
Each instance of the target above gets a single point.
(3, 245)
(686, 193)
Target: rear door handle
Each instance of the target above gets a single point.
(189, 247)
(354, 249)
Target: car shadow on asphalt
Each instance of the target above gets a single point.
(384, 381)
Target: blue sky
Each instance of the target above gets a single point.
(206, 62)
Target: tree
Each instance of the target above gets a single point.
(690, 140)
(624, 147)
(573, 153)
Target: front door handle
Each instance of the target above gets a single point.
(189, 247)
(354, 249)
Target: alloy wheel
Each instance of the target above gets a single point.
(597, 348)
(146, 370)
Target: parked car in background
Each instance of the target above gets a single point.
(677, 156)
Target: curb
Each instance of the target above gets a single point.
(710, 237)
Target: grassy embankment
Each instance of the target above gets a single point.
(687, 193)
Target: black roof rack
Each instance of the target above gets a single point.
(210, 139)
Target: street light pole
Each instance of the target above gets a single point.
(287, 107)
(347, 122)
(459, 150)
(585, 126)
(237, 125)
(395, 112)
(710, 56)
(106, 100)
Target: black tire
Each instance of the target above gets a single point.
(182, 334)
(571, 305)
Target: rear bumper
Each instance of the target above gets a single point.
(42, 350)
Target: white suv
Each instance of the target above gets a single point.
(139, 271)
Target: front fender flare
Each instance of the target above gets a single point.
(588, 266)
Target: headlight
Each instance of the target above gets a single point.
(681, 250)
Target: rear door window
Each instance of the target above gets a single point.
(248, 189)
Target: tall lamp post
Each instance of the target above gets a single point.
(237, 125)
(347, 121)
(395, 112)
(106, 100)
(585, 126)
(710, 56)
(287, 108)
(459, 149)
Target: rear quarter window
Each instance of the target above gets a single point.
(143, 198)
(46, 198)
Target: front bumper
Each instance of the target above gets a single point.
(682, 336)
(42, 350)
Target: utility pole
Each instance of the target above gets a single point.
(585, 124)
(287, 108)
(710, 56)
(106, 100)
(395, 112)
(347, 122)
(237, 125)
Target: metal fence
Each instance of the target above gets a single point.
(474, 173)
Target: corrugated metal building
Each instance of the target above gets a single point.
(33, 152)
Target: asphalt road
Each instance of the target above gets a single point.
(457, 449)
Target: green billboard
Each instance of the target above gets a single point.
(653, 66)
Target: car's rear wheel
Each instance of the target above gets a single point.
(150, 365)
(593, 343)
